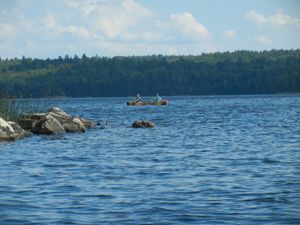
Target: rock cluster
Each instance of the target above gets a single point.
(55, 121)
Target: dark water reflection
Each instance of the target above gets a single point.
(210, 160)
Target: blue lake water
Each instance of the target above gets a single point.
(210, 160)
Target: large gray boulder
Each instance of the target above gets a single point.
(10, 131)
(48, 125)
(69, 123)
(143, 124)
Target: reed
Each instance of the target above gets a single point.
(8, 109)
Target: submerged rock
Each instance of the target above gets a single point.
(10, 131)
(143, 124)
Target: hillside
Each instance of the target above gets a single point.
(240, 72)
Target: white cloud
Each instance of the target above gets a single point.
(111, 27)
(279, 19)
(131, 6)
(78, 31)
(112, 19)
(49, 21)
(73, 4)
(103, 20)
(53, 29)
(189, 26)
(117, 27)
(229, 34)
(256, 17)
(84, 7)
(7, 30)
(262, 40)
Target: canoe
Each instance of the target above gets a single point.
(163, 102)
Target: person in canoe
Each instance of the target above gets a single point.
(158, 98)
(138, 98)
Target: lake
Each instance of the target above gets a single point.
(209, 160)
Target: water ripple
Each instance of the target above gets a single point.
(210, 160)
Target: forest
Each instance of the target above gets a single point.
(226, 73)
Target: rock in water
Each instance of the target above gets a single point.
(10, 131)
(69, 123)
(74, 125)
(143, 124)
(48, 125)
(43, 123)
(88, 123)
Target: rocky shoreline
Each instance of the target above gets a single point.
(55, 121)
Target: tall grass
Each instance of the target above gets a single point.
(11, 108)
(8, 109)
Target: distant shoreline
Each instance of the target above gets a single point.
(228, 73)
(126, 97)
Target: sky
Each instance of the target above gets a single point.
(52, 28)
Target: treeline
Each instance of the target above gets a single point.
(240, 72)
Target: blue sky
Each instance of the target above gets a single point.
(42, 28)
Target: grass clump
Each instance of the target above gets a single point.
(8, 109)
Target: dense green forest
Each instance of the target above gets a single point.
(240, 72)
